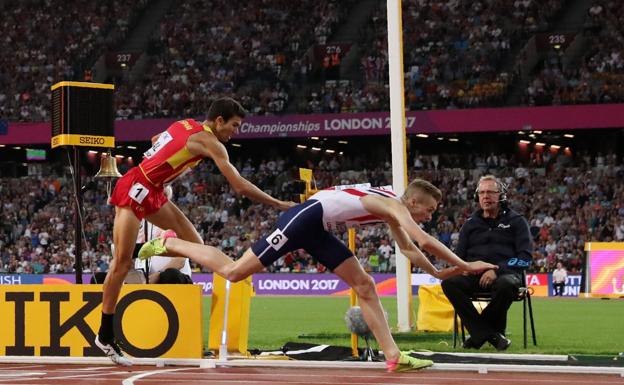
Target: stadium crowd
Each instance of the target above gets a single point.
(454, 54)
(42, 46)
(250, 54)
(457, 55)
(599, 77)
(565, 209)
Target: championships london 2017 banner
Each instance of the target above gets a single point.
(372, 123)
(307, 284)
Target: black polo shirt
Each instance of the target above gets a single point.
(504, 241)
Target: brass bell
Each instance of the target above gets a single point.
(108, 167)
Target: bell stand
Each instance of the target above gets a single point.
(77, 216)
(82, 114)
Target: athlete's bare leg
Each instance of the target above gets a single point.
(242, 268)
(214, 259)
(349, 271)
(169, 216)
(352, 273)
(125, 230)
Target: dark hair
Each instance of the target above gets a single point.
(227, 108)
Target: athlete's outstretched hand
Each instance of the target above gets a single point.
(477, 267)
(285, 205)
(447, 273)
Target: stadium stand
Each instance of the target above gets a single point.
(249, 55)
(597, 76)
(565, 209)
(43, 46)
(457, 55)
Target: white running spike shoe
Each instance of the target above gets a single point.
(113, 352)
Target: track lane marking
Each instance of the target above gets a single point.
(130, 380)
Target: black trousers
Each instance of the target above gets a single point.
(559, 288)
(493, 319)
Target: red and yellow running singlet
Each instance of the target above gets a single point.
(169, 157)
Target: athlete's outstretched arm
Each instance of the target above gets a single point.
(396, 214)
(416, 256)
(200, 144)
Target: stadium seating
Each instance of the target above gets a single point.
(457, 55)
(577, 202)
(596, 77)
(43, 46)
(249, 55)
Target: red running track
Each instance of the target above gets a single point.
(27, 374)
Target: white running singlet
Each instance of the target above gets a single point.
(342, 206)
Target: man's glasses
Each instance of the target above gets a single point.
(488, 192)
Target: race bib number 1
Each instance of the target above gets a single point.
(138, 192)
(277, 239)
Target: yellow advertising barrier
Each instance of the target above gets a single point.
(237, 317)
(435, 312)
(62, 320)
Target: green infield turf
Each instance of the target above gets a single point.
(563, 325)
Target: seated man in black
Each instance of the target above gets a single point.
(498, 235)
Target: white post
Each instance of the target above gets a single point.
(223, 350)
(399, 156)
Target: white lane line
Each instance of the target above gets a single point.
(30, 376)
(223, 377)
(526, 378)
(130, 380)
(303, 381)
(26, 383)
(72, 370)
(213, 377)
(213, 381)
(85, 375)
(2, 367)
(21, 374)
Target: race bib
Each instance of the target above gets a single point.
(277, 239)
(138, 192)
(162, 141)
(349, 186)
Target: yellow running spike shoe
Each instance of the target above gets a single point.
(156, 246)
(406, 363)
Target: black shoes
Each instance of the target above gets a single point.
(499, 341)
(472, 343)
